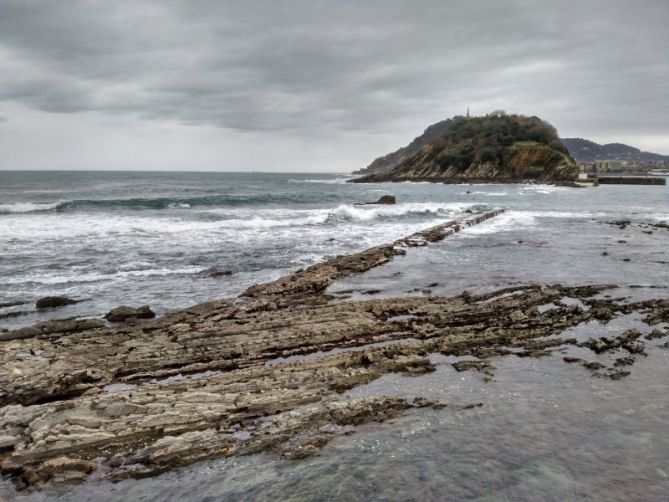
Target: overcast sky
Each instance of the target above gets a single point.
(315, 85)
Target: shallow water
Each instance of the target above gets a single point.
(547, 430)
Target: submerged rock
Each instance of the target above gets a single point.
(54, 301)
(123, 313)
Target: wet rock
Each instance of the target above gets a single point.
(53, 301)
(624, 361)
(621, 223)
(471, 365)
(18, 313)
(12, 304)
(616, 374)
(60, 470)
(239, 403)
(124, 313)
(218, 273)
(384, 199)
(628, 340)
(52, 328)
(517, 316)
(655, 334)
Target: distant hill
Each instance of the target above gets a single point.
(584, 150)
(494, 148)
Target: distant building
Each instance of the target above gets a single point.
(608, 166)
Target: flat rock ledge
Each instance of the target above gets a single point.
(261, 373)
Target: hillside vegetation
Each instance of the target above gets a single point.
(496, 147)
(584, 150)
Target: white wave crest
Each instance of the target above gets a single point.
(513, 220)
(50, 280)
(27, 207)
(228, 222)
(335, 181)
(264, 219)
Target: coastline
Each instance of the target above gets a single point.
(269, 370)
(372, 178)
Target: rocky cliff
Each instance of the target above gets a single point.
(494, 148)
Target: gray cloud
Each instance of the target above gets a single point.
(323, 70)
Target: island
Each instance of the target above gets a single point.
(495, 148)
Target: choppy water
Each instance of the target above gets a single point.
(547, 430)
(150, 238)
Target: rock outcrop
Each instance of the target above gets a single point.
(53, 301)
(496, 148)
(124, 313)
(384, 199)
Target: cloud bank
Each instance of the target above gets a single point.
(314, 85)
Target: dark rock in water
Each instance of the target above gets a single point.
(384, 199)
(215, 272)
(124, 313)
(621, 223)
(624, 361)
(219, 273)
(53, 301)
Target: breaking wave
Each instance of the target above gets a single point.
(345, 213)
(166, 202)
(27, 207)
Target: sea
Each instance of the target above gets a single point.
(546, 431)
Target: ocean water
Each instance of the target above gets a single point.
(546, 431)
(152, 238)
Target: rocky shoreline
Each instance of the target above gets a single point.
(270, 370)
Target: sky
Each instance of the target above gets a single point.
(313, 85)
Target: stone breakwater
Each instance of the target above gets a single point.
(270, 370)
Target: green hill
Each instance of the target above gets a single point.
(490, 149)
